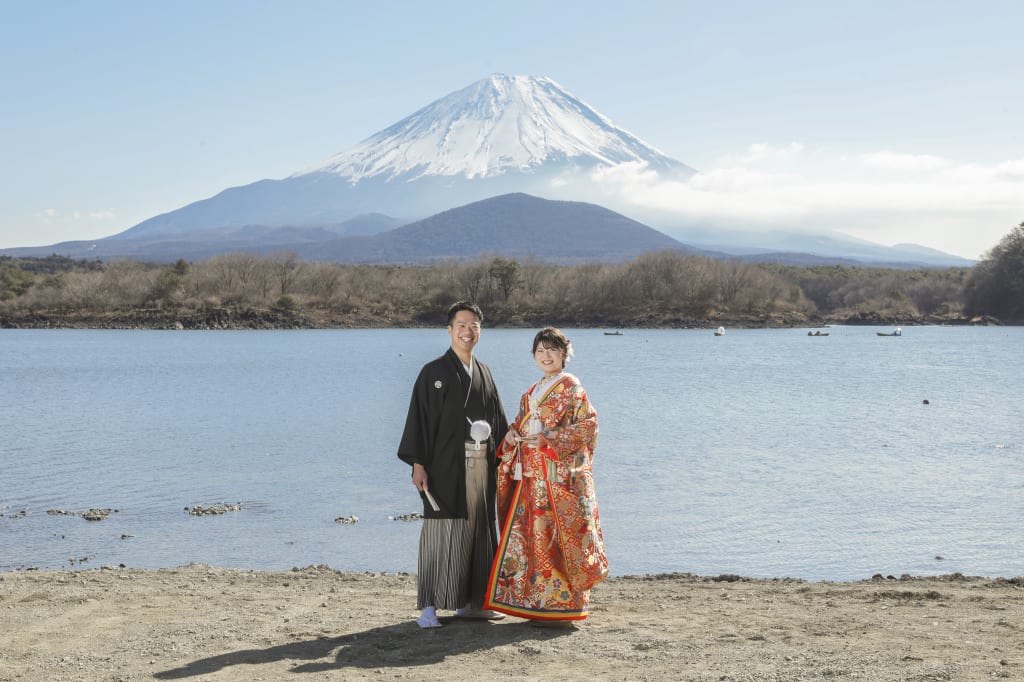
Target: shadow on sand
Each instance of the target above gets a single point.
(401, 645)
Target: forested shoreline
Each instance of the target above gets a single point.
(664, 289)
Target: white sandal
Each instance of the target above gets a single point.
(428, 620)
(479, 614)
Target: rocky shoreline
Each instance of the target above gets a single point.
(243, 318)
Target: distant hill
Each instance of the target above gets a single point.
(512, 225)
(515, 225)
(802, 248)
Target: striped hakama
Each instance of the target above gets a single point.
(455, 555)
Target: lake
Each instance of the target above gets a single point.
(764, 453)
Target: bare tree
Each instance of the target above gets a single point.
(321, 281)
(506, 274)
(473, 281)
(732, 277)
(285, 266)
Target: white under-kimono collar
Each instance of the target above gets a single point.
(545, 383)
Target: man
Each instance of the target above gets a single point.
(454, 474)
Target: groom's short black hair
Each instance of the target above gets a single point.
(464, 305)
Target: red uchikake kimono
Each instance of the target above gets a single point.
(551, 550)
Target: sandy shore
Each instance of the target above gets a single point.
(203, 623)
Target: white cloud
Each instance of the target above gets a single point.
(48, 214)
(630, 172)
(1012, 169)
(904, 163)
(763, 153)
(886, 197)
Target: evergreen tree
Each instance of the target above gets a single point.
(996, 286)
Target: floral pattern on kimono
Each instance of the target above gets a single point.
(551, 550)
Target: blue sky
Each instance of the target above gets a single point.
(890, 121)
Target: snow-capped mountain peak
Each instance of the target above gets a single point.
(497, 125)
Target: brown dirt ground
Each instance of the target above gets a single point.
(203, 623)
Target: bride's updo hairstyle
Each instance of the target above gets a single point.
(552, 337)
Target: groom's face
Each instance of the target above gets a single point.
(464, 330)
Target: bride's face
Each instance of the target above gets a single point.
(551, 360)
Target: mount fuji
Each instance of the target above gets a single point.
(500, 135)
(497, 126)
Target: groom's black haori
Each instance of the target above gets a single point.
(458, 540)
(437, 428)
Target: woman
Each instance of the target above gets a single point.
(551, 550)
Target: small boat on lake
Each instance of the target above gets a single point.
(895, 332)
(720, 331)
(614, 333)
(817, 332)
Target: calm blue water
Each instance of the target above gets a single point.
(763, 452)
